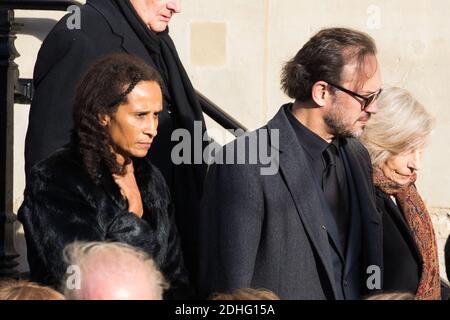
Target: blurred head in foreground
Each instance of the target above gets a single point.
(24, 290)
(111, 271)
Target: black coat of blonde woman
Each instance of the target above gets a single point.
(396, 137)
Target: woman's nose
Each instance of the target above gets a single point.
(152, 128)
(416, 160)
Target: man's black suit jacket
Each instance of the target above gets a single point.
(267, 231)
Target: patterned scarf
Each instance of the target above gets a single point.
(418, 219)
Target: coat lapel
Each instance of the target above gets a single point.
(120, 27)
(304, 191)
(372, 233)
(354, 234)
(361, 173)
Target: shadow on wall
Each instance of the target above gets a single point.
(21, 247)
(36, 27)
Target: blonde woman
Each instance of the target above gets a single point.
(396, 137)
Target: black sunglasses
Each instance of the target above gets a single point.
(366, 100)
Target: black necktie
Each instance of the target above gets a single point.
(334, 193)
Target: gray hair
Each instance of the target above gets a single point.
(82, 255)
(401, 124)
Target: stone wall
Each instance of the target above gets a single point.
(441, 221)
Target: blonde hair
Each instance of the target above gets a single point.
(393, 296)
(401, 124)
(80, 254)
(247, 294)
(25, 290)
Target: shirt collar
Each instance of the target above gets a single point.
(311, 142)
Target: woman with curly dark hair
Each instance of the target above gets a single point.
(102, 187)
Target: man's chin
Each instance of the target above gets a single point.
(352, 132)
(359, 129)
(158, 27)
(358, 132)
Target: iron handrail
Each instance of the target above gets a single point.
(219, 115)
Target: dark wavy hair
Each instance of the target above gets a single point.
(103, 88)
(323, 58)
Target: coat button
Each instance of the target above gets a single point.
(324, 228)
(345, 283)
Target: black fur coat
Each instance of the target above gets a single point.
(62, 205)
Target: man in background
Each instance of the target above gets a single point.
(138, 27)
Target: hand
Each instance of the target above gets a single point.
(129, 189)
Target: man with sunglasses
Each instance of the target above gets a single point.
(311, 231)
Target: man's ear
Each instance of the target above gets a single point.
(320, 93)
(104, 119)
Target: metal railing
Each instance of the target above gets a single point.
(219, 115)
